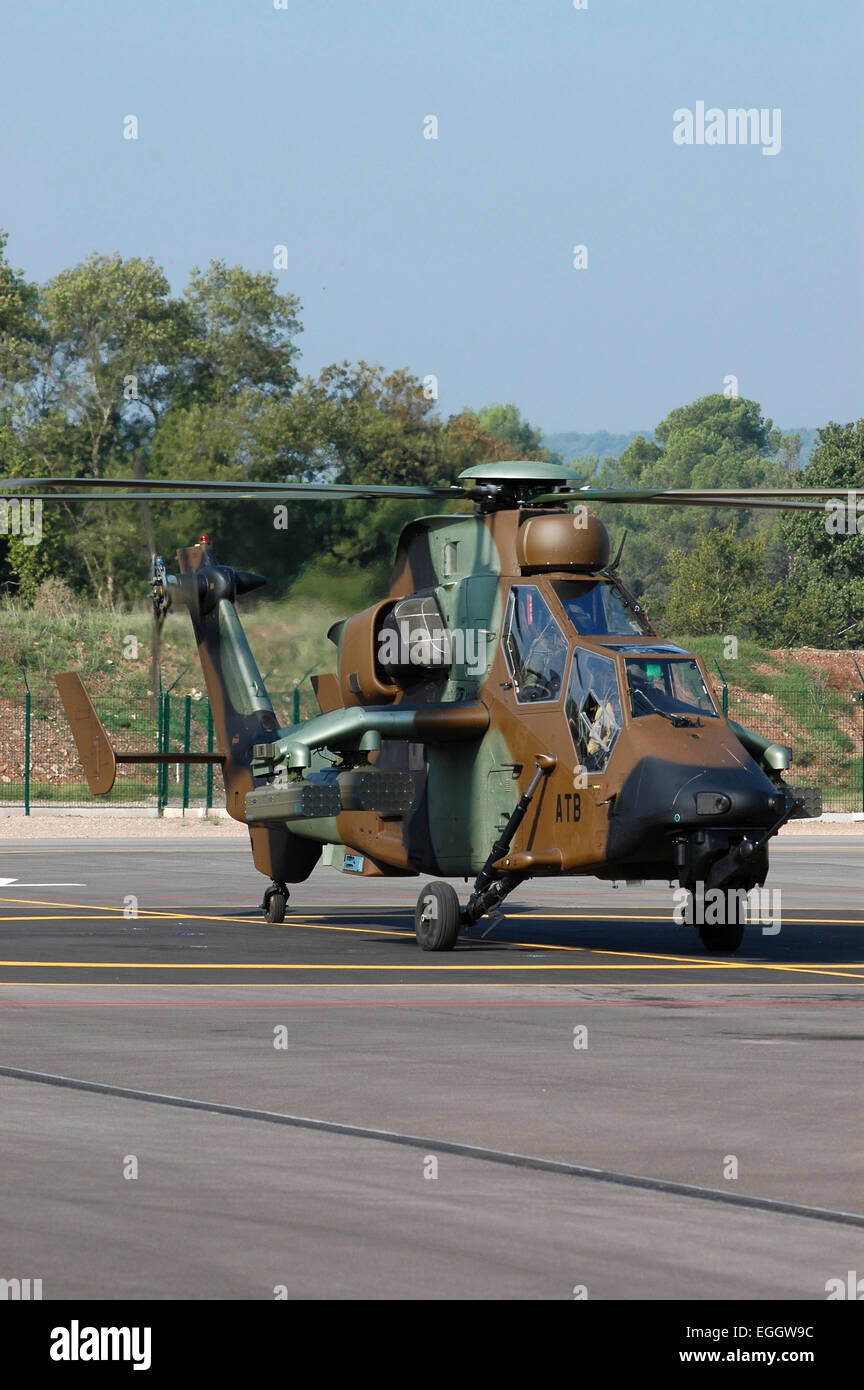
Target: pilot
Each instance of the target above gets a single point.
(647, 680)
(603, 726)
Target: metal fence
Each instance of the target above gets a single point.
(823, 726)
(39, 764)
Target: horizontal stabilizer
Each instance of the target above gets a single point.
(98, 758)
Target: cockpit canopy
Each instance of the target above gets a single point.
(672, 686)
(535, 646)
(598, 608)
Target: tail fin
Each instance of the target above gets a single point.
(98, 758)
(242, 712)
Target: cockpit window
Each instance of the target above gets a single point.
(534, 646)
(597, 608)
(593, 708)
(671, 688)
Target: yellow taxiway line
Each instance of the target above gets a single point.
(419, 984)
(658, 962)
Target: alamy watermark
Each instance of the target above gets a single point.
(77, 1343)
(21, 517)
(425, 647)
(20, 1290)
(718, 907)
(844, 516)
(735, 126)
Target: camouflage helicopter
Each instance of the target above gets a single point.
(506, 711)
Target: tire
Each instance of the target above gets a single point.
(276, 907)
(723, 939)
(437, 917)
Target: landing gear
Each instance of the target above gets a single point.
(722, 940)
(491, 886)
(437, 917)
(275, 898)
(724, 937)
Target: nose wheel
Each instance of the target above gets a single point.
(275, 900)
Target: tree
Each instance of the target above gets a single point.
(242, 333)
(824, 579)
(719, 585)
(714, 442)
(20, 329)
(506, 423)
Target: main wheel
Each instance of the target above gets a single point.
(437, 917)
(275, 910)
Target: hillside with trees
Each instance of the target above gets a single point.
(105, 373)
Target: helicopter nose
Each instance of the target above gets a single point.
(661, 797)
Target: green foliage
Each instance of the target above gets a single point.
(104, 373)
(505, 422)
(242, 333)
(825, 572)
(714, 442)
(19, 323)
(719, 585)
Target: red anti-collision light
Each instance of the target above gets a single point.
(205, 539)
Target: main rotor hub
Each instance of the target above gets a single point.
(510, 483)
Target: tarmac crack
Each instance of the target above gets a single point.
(487, 1155)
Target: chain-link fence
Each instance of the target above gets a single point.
(39, 764)
(823, 727)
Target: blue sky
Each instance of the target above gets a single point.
(304, 127)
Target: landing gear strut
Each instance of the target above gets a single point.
(275, 898)
(490, 886)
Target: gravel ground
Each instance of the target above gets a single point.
(107, 826)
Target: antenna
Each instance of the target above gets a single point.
(616, 561)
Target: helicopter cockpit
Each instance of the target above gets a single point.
(600, 608)
(673, 687)
(535, 648)
(593, 708)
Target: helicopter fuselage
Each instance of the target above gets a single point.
(516, 614)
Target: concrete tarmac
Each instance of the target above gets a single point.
(577, 1097)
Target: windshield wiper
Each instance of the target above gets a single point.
(681, 721)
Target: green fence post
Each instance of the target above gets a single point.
(161, 749)
(187, 729)
(26, 743)
(209, 750)
(860, 698)
(725, 688)
(166, 739)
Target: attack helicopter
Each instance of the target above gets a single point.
(507, 711)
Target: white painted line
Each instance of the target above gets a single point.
(9, 882)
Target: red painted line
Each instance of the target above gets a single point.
(433, 1004)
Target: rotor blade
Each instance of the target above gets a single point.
(160, 488)
(743, 499)
(412, 489)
